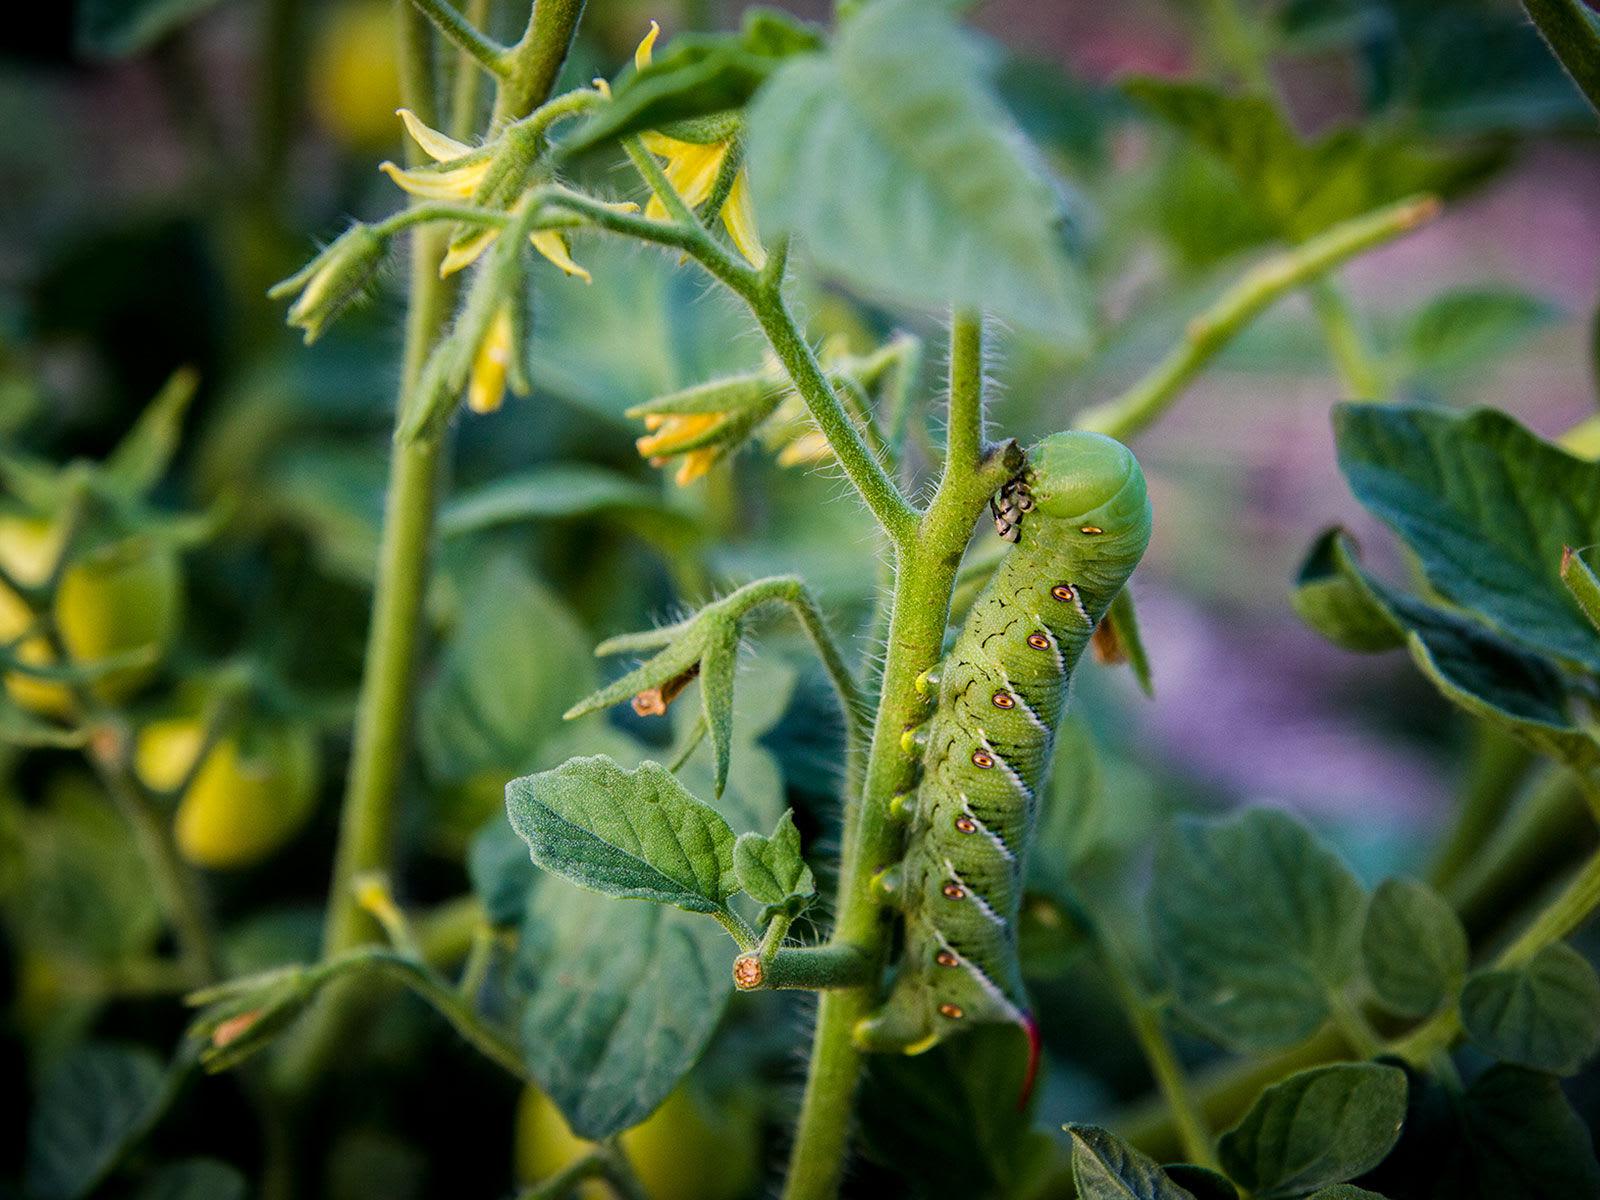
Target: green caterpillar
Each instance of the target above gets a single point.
(1080, 517)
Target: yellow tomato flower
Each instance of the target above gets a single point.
(670, 431)
(692, 169)
(460, 182)
(486, 386)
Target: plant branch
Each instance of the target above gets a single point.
(535, 61)
(926, 562)
(449, 1003)
(803, 968)
(467, 37)
(1258, 289)
(1352, 355)
(882, 497)
(1146, 1019)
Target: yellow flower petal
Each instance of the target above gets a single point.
(435, 145)
(673, 430)
(690, 168)
(643, 55)
(554, 247)
(694, 465)
(739, 216)
(486, 386)
(459, 183)
(467, 253)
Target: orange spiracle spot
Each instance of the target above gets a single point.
(1039, 641)
(954, 891)
(966, 825)
(982, 759)
(1062, 592)
(945, 959)
(1004, 700)
(1091, 530)
(953, 1011)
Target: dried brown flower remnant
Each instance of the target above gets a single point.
(653, 702)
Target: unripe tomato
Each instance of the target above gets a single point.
(254, 792)
(123, 598)
(355, 82)
(682, 1151)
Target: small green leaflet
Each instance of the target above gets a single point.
(1543, 1014)
(771, 870)
(626, 833)
(1316, 1128)
(1413, 948)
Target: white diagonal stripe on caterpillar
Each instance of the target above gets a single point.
(975, 897)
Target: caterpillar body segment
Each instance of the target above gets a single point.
(1080, 519)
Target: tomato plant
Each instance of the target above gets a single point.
(830, 607)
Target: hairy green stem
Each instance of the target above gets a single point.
(926, 562)
(382, 736)
(803, 968)
(1260, 287)
(882, 497)
(466, 37)
(535, 61)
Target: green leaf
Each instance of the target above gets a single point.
(1106, 1168)
(1544, 1013)
(625, 833)
(696, 75)
(568, 491)
(502, 874)
(622, 1001)
(1122, 628)
(516, 660)
(717, 666)
(1255, 923)
(95, 1102)
(771, 870)
(1464, 327)
(1334, 597)
(1303, 187)
(142, 457)
(1413, 947)
(945, 1122)
(1572, 32)
(1315, 1128)
(195, 1179)
(1471, 665)
(1487, 506)
(117, 28)
(1512, 1136)
(1582, 582)
(1203, 1182)
(1071, 816)
(901, 171)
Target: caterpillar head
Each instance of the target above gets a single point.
(1091, 481)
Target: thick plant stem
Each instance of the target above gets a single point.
(925, 574)
(1260, 287)
(366, 830)
(535, 61)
